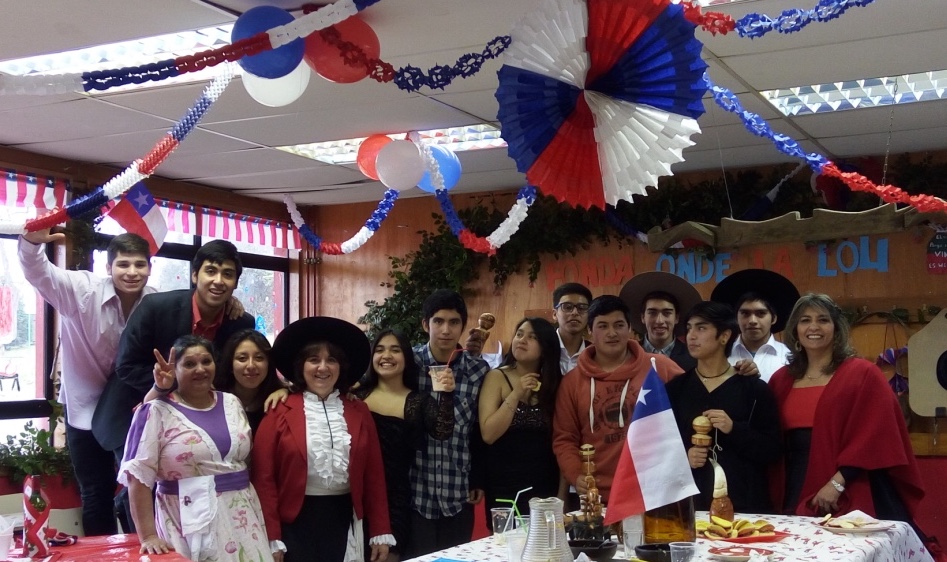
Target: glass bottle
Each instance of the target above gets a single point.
(671, 523)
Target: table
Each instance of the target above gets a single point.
(116, 548)
(808, 543)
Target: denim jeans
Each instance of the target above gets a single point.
(95, 472)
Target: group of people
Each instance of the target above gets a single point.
(378, 450)
(802, 428)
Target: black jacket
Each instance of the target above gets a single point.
(159, 319)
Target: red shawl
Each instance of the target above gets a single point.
(858, 423)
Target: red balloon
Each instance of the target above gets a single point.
(368, 152)
(327, 59)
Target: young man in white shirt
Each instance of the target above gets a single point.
(570, 303)
(763, 300)
(93, 312)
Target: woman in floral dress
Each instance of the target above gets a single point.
(193, 442)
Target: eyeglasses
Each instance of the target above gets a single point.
(570, 307)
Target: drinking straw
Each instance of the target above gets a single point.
(515, 510)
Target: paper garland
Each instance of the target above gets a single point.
(487, 245)
(355, 242)
(817, 162)
(137, 171)
(758, 25)
(408, 78)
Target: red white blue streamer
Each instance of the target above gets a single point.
(138, 170)
(355, 242)
(817, 162)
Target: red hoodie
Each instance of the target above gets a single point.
(610, 415)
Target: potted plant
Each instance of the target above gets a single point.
(32, 452)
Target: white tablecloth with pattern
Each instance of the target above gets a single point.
(808, 543)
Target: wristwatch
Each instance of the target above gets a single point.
(837, 486)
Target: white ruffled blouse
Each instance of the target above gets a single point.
(329, 445)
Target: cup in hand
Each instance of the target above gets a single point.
(439, 377)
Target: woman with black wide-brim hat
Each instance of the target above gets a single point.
(316, 459)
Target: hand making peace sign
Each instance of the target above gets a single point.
(164, 371)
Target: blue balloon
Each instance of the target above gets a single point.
(449, 166)
(274, 63)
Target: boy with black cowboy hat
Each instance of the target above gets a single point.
(763, 300)
(657, 301)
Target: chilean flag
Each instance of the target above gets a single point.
(137, 213)
(653, 470)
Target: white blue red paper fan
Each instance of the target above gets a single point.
(598, 98)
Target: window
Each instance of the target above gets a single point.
(22, 344)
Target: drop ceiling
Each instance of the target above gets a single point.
(232, 149)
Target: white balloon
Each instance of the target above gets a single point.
(400, 165)
(277, 92)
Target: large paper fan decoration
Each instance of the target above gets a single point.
(599, 98)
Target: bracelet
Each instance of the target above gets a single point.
(160, 390)
(837, 486)
(510, 406)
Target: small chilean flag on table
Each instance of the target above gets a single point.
(137, 213)
(653, 470)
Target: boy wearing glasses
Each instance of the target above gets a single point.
(570, 302)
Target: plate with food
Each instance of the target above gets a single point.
(855, 523)
(772, 536)
(737, 553)
(739, 531)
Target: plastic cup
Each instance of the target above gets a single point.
(515, 543)
(500, 516)
(683, 551)
(437, 377)
(6, 541)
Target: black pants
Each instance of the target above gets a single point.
(95, 473)
(430, 535)
(320, 531)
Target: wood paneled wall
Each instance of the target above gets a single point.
(885, 271)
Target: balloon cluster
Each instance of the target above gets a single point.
(279, 76)
(399, 164)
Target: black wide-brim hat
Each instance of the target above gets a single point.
(776, 289)
(639, 286)
(348, 337)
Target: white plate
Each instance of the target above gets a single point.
(863, 530)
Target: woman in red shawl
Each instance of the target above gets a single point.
(846, 443)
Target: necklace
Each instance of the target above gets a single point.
(819, 376)
(705, 377)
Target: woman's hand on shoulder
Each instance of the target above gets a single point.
(277, 397)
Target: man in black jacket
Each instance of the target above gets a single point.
(159, 320)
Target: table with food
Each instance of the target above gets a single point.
(853, 537)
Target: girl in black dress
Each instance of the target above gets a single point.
(403, 415)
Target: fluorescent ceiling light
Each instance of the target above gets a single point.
(456, 139)
(132, 53)
(856, 94)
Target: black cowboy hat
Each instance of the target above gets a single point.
(776, 289)
(634, 291)
(349, 337)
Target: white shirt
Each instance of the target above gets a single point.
(568, 362)
(769, 357)
(330, 443)
(91, 326)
